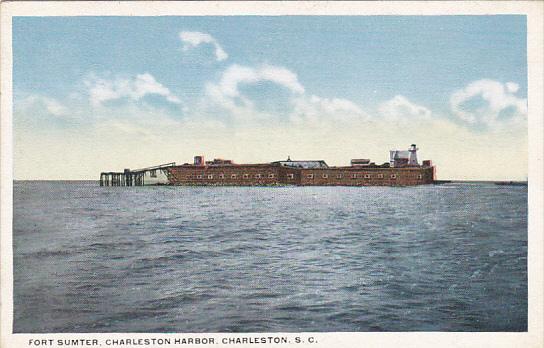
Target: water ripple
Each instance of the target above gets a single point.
(431, 258)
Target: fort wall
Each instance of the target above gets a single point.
(268, 174)
(402, 170)
(231, 175)
(349, 176)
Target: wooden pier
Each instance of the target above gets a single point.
(130, 177)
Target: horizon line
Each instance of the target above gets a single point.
(437, 181)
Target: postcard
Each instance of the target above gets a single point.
(272, 174)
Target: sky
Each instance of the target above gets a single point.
(95, 94)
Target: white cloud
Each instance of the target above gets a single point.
(236, 75)
(50, 105)
(492, 99)
(400, 108)
(192, 39)
(315, 109)
(512, 87)
(54, 107)
(102, 90)
(298, 109)
(226, 93)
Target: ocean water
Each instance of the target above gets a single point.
(447, 257)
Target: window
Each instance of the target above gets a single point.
(258, 176)
(221, 176)
(290, 176)
(338, 176)
(210, 176)
(188, 176)
(153, 173)
(233, 176)
(310, 176)
(246, 176)
(271, 175)
(380, 176)
(393, 176)
(367, 176)
(353, 176)
(325, 176)
(199, 176)
(420, 176)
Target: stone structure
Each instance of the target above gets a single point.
(403, 170)
(275, 174)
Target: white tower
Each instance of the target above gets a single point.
(412, 159)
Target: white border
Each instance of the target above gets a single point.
(535, 38)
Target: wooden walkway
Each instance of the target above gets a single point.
(129, 177)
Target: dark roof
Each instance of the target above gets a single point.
(303, 164)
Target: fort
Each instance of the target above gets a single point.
(403, 169)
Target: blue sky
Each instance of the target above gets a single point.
(262, 87)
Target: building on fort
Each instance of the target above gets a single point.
(403, 169)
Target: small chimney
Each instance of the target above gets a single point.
(199, 160)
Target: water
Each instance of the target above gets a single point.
(255, 259)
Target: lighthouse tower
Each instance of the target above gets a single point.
(412, 159)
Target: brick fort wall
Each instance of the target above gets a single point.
(268, 174)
